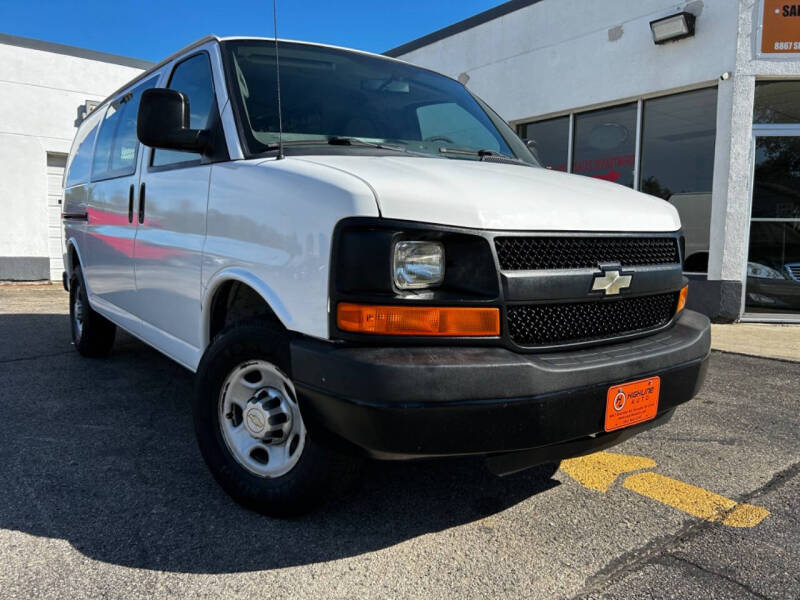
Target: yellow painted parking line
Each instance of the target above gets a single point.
(600, 470)
(695, 500)
(745, 515)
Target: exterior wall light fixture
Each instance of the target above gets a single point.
(672, 28)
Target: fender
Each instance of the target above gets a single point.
(244, 276)
(71, 244)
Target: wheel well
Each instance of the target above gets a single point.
(236, 301)
(73, 258)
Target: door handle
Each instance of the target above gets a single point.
(141, 203)
(130, 204)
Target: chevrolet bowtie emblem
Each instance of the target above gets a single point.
(611, 282)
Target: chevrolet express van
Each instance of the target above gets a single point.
(366, 261)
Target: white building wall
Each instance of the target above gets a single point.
(40, 92)
(559, 55)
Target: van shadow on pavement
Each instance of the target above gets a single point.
(101, 453)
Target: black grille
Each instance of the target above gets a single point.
(546, 324)
(531, 253)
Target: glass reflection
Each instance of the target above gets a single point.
(605, 144)
(678, 138)
(552, 142)
(773, 268)
(777, 102)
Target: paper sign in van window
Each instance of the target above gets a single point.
(780, 33)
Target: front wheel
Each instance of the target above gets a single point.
(251, 431)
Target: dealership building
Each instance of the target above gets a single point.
(45, 91)
(697, 103)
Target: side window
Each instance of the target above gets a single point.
(193, 78)
(451, 124)
(81, 156)
(117, 146)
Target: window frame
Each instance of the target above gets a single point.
(216, 121)
(639, 100)
(763, 130)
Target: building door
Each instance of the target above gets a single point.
(773, 263)
(55, 250)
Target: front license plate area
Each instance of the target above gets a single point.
(631, 403)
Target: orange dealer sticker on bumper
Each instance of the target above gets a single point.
(631, 403)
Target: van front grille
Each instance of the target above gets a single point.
(563, 323)
(555, 252)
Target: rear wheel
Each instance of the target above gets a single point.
(250, 428)
(92, 334)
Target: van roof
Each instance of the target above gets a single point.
(319, 44)
(215, 38)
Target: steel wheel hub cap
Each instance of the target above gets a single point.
(79, 315)
(259, 419)
(268, 416)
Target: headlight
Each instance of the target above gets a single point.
(762, 271)
(418, 265)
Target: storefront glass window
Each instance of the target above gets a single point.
(677, 163)
(773, 267)
(552, 141)
(605, 144)
(777, 102)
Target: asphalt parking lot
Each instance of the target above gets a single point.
(103, 494)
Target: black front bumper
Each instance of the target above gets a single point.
(414, 402)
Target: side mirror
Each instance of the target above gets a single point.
(163, 122)
(530, 143)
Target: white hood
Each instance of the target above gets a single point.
(488, 195)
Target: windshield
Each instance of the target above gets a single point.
(329, 94)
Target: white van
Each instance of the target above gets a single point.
(375, 266)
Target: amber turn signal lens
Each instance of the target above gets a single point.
(682, 299)
(418, 320)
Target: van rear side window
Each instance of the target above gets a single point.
(117, 145)
(81, 155)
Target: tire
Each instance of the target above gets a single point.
(266, 462)
(92, 334)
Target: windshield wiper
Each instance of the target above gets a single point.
(483, 155)
(336, 140)
(351, 141)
